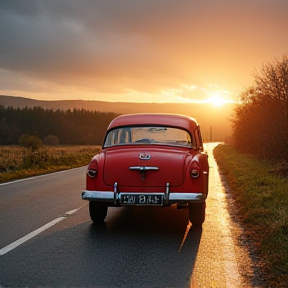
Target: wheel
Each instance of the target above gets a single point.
(98, 211)
(197, 213)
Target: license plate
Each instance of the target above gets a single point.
(141, 199)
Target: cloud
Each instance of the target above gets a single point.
(145, 46)
(203, 94)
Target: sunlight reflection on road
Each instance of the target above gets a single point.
(185, 236)
(216, 263)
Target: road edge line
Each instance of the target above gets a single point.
(34, 233)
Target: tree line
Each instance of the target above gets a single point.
(69, 127)
(260, 121)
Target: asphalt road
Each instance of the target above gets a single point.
(136, 247)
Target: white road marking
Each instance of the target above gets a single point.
(34, 233)
(38, 176)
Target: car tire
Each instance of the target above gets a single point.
(197, 213)
(98, 211)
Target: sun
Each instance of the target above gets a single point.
(217, 101)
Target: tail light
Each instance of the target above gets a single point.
(92, 169)
(91, 173)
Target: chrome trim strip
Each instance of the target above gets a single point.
(143, 168)
(115, 192)
(166, 201)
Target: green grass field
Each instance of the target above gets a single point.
(260, 190)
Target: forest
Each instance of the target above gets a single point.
(260, 122)
(67, 127)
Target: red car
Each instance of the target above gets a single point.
(149, 160)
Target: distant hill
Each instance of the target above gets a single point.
(214, 121)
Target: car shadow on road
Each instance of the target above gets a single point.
(147, 246)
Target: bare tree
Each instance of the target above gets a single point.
(261, 120)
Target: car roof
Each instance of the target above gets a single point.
(174, 120)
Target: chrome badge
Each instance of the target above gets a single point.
(144, 156)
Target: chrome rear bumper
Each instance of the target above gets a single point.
(114, 197)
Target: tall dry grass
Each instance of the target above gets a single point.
(259, 188)
(18, 162)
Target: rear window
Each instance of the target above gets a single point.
(158, 135)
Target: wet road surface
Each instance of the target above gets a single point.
(136, 247)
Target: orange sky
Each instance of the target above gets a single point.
(135, 50)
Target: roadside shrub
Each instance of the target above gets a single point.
(30, 141)
(51, 140)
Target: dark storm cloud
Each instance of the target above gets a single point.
(142, 45)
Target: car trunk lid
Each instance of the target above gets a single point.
(140, 167)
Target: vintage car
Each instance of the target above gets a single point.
(149, 160)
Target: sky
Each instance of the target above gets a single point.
(138, 50)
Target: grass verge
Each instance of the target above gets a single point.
(18, 162)
(261, 199)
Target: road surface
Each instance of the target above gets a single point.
(48, 240)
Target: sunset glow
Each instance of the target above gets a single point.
(109, 51)
(217, 101)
